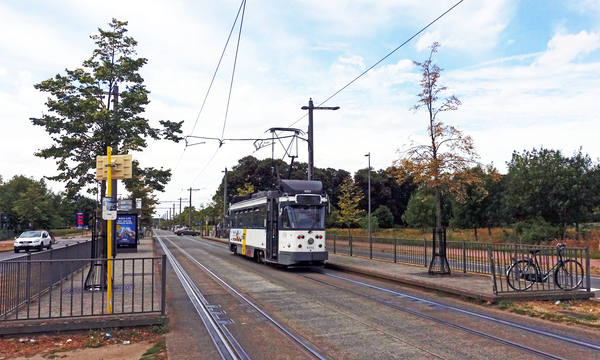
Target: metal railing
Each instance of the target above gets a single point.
(518, 268)
(78, 250)
(465, 256)
(48, 289)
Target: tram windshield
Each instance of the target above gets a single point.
(305, 217)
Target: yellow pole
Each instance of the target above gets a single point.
(109, 231)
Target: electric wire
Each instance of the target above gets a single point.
(242, 5)
(385, 57)
(237, 49)
(242, 10)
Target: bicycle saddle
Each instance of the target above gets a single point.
(534, 251)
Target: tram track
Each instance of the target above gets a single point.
(224, 340)
(450, 324)
(506, 340)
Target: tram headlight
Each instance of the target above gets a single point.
(311, 241)
(299, 246)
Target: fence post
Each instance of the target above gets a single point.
(464, 257)
(425, 250)
(493, 270)
(350, 245)
(28, 283)
(395, 250)
(163, 285)
(587, 270)
(334, 238)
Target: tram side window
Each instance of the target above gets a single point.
(253, 219)
(262, 216)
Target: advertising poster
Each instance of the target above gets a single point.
(126, 229)
(79, 220)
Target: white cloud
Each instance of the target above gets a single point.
(472, 27)
(563, 49)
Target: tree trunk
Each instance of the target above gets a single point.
(475, 232)
(577, 231)
(438, 210)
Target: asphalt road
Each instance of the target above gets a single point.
(6, 255)
(342, 319)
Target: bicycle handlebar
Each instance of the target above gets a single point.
(561, 246)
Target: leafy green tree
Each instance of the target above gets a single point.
(473, 205)
(142, 185)
(33, 206)
(384, 216)
(420, 212)
(386, 190)
(332, 220)
(534, 230)
(545, 183)
(450, 152)
(80, 118)
(262, 175)
(364, 222)
(350, 196)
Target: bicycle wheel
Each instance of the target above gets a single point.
(521, 275)
(569, 275)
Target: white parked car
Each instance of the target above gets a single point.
(37, 239)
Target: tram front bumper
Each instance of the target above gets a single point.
(289, 258)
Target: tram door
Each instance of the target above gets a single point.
(272, 230)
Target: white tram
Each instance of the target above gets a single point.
(285, 226)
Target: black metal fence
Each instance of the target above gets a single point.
(47, 289)
(517, 268)
(465, 256)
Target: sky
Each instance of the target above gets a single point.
(527, 74)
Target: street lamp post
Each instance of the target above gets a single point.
(190, 208)
(369, 192)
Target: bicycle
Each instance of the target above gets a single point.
(522, 274)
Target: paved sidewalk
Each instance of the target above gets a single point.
(470, 285)
(136, 298)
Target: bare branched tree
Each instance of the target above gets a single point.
(437, 165)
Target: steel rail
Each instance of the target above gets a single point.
(470, 313)
(445, 322)
(237, 293)
(226, 344)
(478, 315)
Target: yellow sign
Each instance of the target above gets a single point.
(122, 167)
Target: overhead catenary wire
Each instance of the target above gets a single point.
(242, 7)
(234, 66)
(242, 10)
(382, 59)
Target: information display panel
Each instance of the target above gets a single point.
(127, 230)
